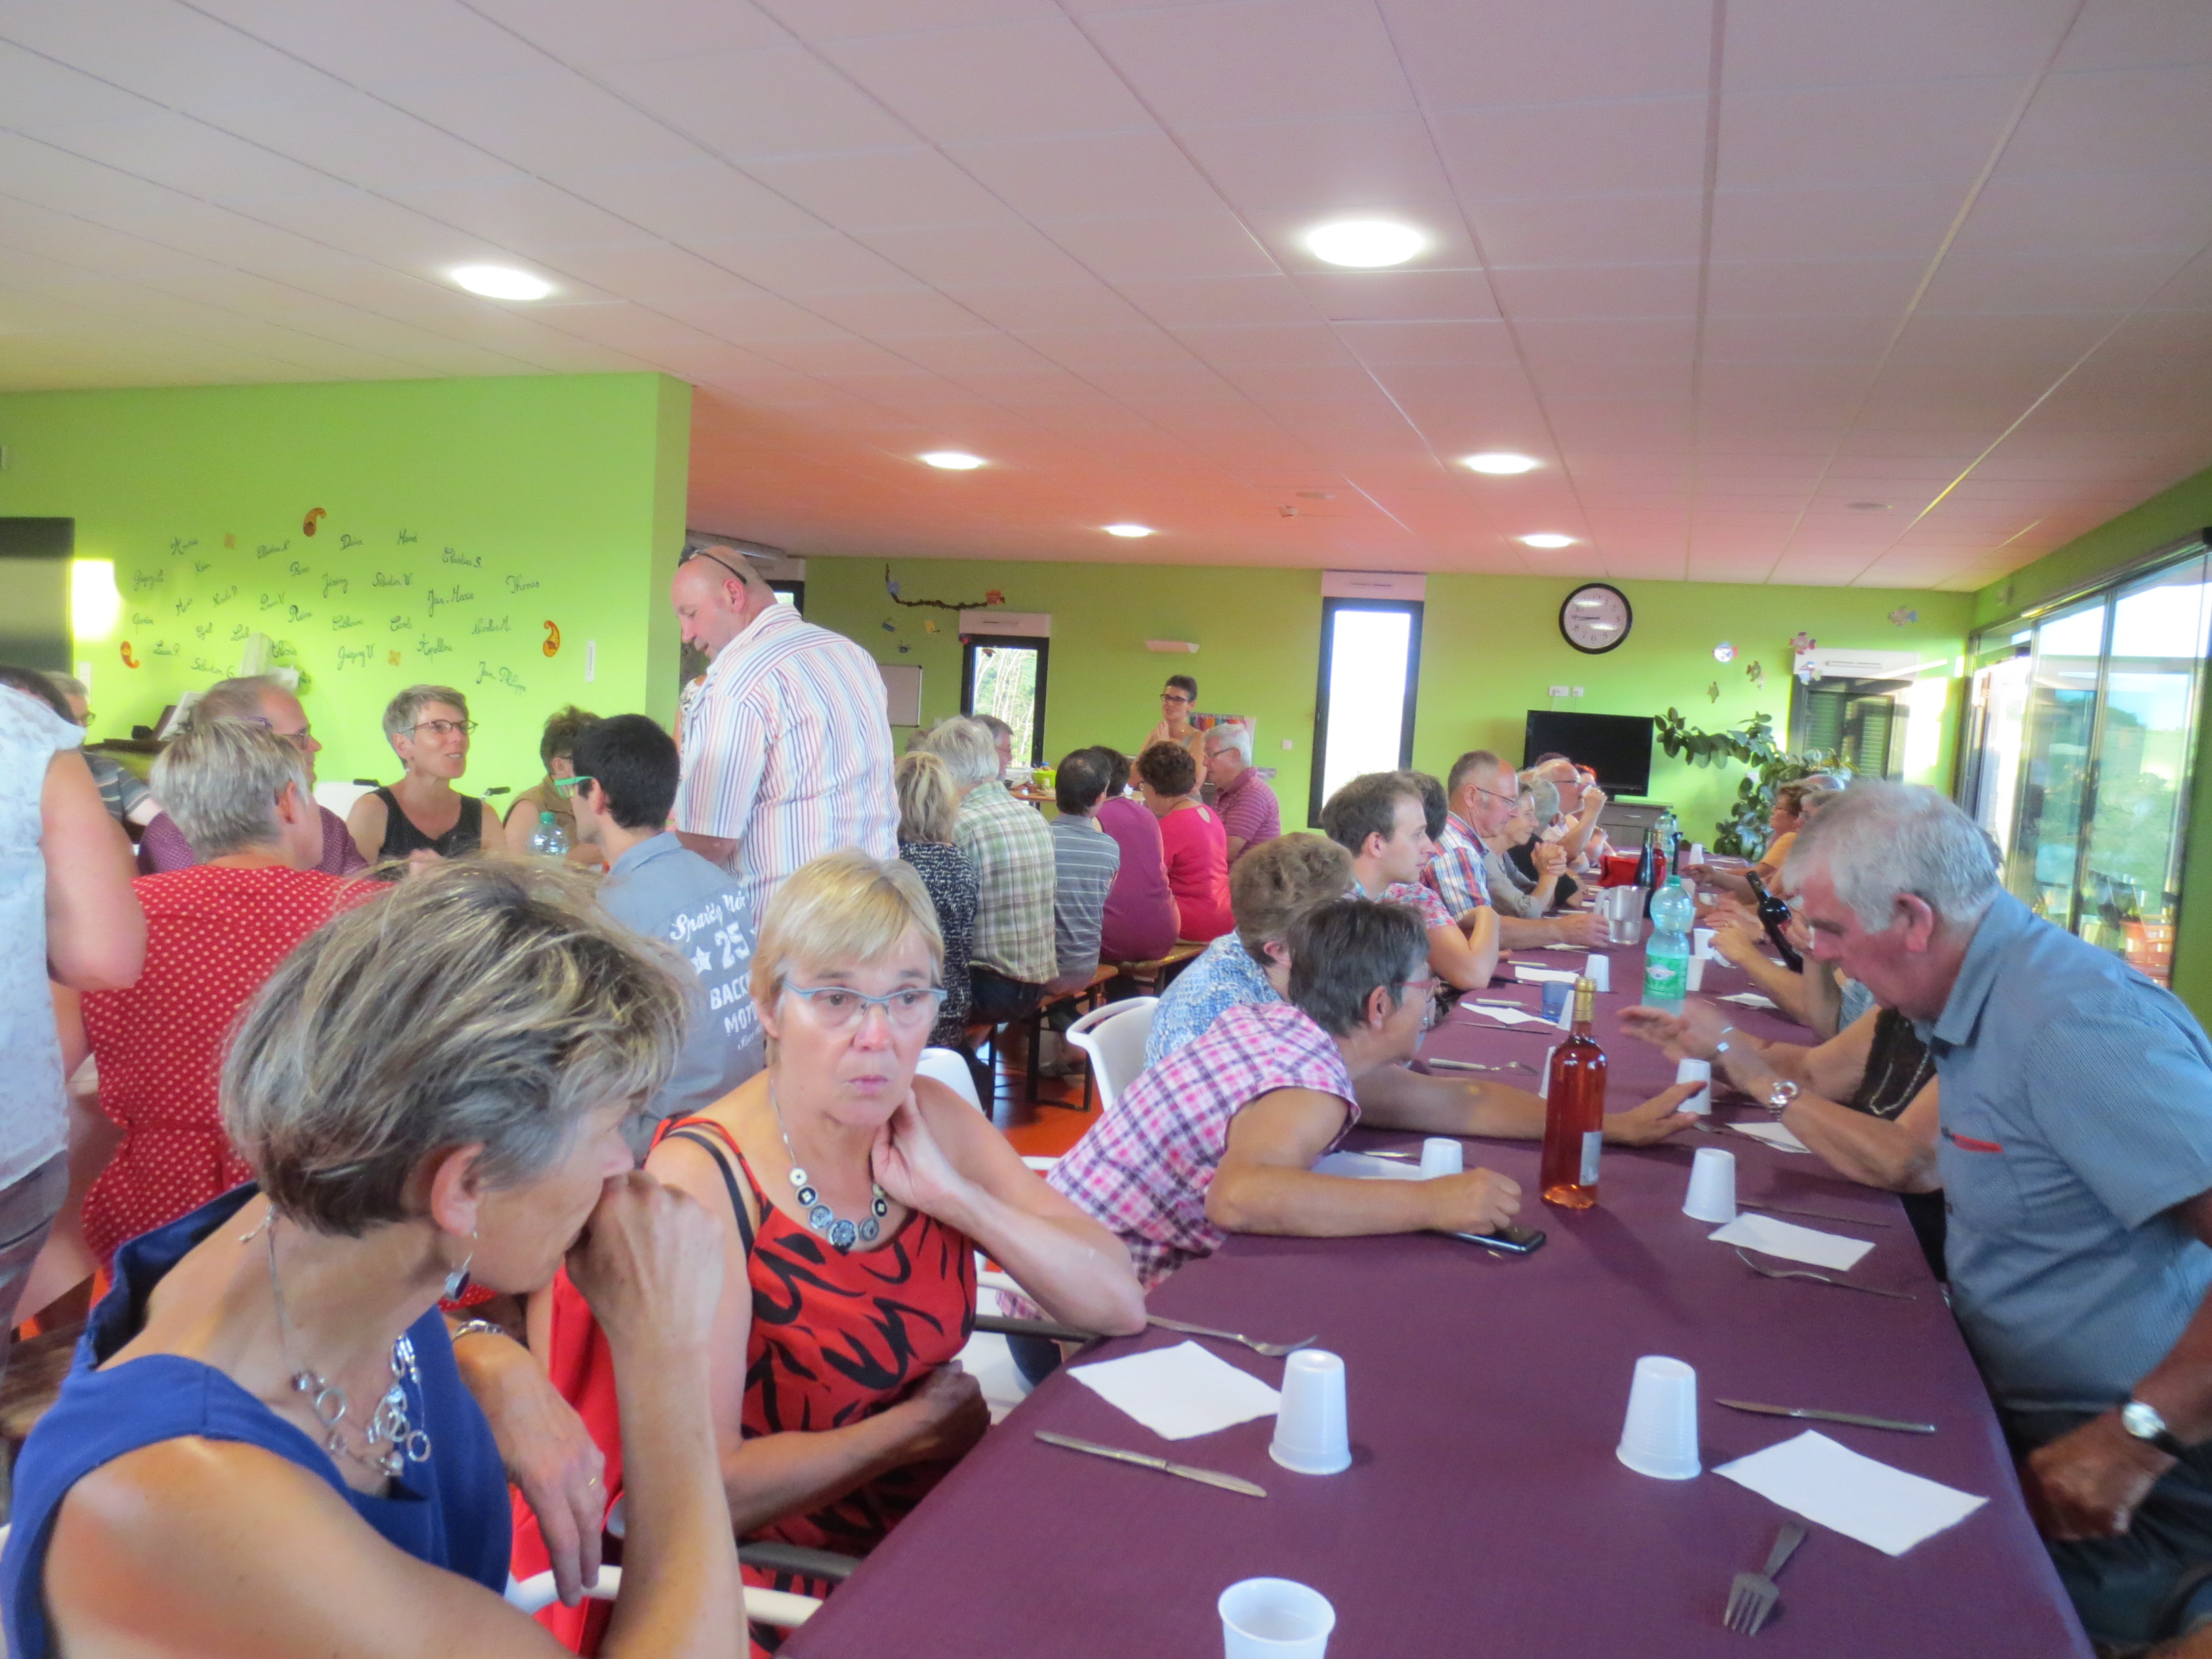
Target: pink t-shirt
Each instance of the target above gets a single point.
(1140, 912)
(1197, 849)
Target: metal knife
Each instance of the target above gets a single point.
(1817, 1215)
(1146, 1460)
(1829, 1417)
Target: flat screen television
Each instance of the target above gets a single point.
(1617, 747)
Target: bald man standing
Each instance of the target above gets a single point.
(787, 746)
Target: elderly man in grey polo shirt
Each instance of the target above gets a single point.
(2076, 1160)
(626, 778)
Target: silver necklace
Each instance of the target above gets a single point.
(390, 1426)
(840, 1233)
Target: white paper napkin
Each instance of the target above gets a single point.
(1506, 1016)
(1750, 1000)
(1769, 1237)
(1181, 1391)
(1529, 974)
(1860, 1498)
(1774, 1134)
(1365, 1166)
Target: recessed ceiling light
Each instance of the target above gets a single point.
(1364, 243)
(953, 460)
(1128, 530)
(502, 283)
(1547, 540)
(1501, 464)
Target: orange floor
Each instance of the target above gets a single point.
(1045, 1127)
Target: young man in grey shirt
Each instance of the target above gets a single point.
(626, 778)
(2076, 1152)
(1085, 860)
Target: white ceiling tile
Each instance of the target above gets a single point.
(1084, 176)
(591, 34)
(550, 122)
(1846, 222)
(1316, 169)
(1589, 229)
(841, 20)
(184, 155)
(748, 104)
(1500, 51)
(352, 138)
(1800, 286)
(1413, 296)
(1443, 344)
(1033, 79)
(882, 189)
(2116, 121)
(988, 255)
(1133, 249)
(533, 219)
(1798, 44)
(1557, 292)
(1288, 60)
(824, 261)
(1579, 149)
(1313, 345)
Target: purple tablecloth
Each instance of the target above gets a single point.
(1484, 1512)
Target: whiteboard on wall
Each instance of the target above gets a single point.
(902, 691)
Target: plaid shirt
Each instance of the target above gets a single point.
(1144, 1168)
(1457, 873)
(1249, 811)
(1420, 900)
(1012, 850)
(788, 752)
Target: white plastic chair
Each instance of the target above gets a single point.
(1115, 1037)
(779, 1607)
(950, 1067)
(339, 794)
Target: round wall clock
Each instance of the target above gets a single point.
(1596, 617)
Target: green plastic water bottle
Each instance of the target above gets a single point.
(1667, 956)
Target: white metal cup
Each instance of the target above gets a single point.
(1441, 1155)
(1274, 1619)
(1659, 1436)
(1312, 1435)
(1598, 970)
(1696, 1071)
(1712, 1187)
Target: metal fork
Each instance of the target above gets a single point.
(1271, 1350)
(1822, 1279)
(1752, 1597)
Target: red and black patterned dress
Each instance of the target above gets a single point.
(835, 1339)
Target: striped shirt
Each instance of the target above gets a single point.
(1144, 1169)
(788, 752)
(1012, 850)
(1457, 872)
(1249, 811)
(1084, 861)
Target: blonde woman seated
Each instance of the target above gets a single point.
(265, 1450)
(852, 1196)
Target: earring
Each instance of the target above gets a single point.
(458, 1281)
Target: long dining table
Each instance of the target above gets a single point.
(1484, 1512)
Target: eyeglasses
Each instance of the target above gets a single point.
(691, 553)
(570, 786)
(298, 739)
(1173, 696)
(1495, 795)
(446, 728)
(840, 1009)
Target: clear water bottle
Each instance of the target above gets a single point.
(549, 840)
(1667, 955)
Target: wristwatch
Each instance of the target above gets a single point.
(2144, 1423)
(1781, 1095)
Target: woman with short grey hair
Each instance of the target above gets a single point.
(422, 816)
(265, 1450)
(215, 930)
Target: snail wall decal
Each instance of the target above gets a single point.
(315, 516)
(552, 645)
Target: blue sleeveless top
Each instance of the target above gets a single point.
(451, 1511)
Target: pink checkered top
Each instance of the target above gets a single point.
(1144, 1169)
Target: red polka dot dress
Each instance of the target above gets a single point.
(213, 935)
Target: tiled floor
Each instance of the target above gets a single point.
(1045, 1127)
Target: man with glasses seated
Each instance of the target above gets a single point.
(422, 816)
(263, 699)
(623, 784)
(787, 745)
(1484, 794)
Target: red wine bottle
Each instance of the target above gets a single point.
(1776, 916)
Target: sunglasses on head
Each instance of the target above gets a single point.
(691, 553)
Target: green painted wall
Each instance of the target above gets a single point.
(2168, 516)
(457, 518)
(1489, 650)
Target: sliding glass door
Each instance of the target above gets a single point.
(2083, 729)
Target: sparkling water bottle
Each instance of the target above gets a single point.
(1667, 956)
(549, 840)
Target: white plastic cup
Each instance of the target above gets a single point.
(1597, 968)
(1274, 1619)
(1712, 1187)
(1693, 974)
(1694, 855)
(1697, 1071)
(1660, 1436)
(1701, 944)
(1441, 1155)
(1311, 1436)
